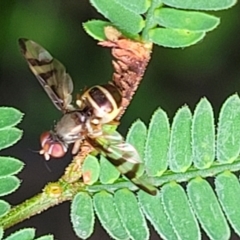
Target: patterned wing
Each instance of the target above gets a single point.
(124, 157)
(50, 73)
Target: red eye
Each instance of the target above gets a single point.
(51, 147)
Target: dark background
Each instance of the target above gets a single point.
(174, 77)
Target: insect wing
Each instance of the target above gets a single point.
(125, 158)
(50, 73)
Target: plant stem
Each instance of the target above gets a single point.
(52, 194)
(61, 191)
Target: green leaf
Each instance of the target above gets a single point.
(131, 215)
(10, 166)
(108, 173)
(9, 117)
(201, 5)
(23, 234)
(207, 209)
(203, 135)
(228, 192)
(228, 136)
(4, 208)
(153, 210)
(95, 28)
(136, 136)
(136, 6)
(179, 213)
(119, 15)
(108, 216)
(180, 149)
(8, 185)
(90, 170)
(192, 21)
(174, 38)
(82, 216)
(9, 136)
(47, 237)
(156, 148)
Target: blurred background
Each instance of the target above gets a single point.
(174, 77)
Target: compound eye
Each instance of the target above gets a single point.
(57, 150)
(51, 147)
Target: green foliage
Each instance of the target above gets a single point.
(180, 152)
(9, 166)
(186, 154)
(90, 170)
(23, 234)
(152, 208)
(210, 216)
(27, 234)
(8, 133)
(4, 207)
(228, 135)
(108, 215)
(203, 134)
(137, 136)
(82, 216)
(201, 5)
(161, 22)
(228, 193)
(179, 212)
(108, 173)
(126, 202)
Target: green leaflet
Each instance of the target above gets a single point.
(9, 117)
(127, 207)
(180, 152)
(203, 135)
(10, 166)
(23, 234)
(9, 136)
(108, 216)
(179, 213)
(174, 38)
(90, 170)
(228, 192)
(4, 208)
(82, 216)
(201, 5)
(8, 185)
(137, 137)
(108, 173)
(154, 212)
(137, 6)
(192, 21)
(207, 209)
(157, 142)
(119, 15)
(95, 28)
(228, 135)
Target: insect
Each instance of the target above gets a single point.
(95, 109)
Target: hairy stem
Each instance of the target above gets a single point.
(52, 194)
